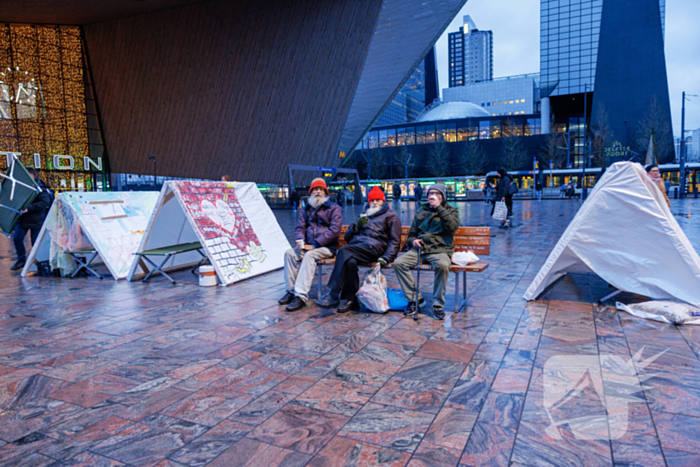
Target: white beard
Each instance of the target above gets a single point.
(372, 211)
(316, 200)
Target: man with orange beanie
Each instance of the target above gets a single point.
(316, 235)
(376, 236)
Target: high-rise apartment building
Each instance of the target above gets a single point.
(470, 54)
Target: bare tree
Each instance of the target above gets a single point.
(377, 165)
(402, 159)
(472, 159)
(602, 137)
(654, 125)
(438, 159)
(514, 153)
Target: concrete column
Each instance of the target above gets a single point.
(545, 115)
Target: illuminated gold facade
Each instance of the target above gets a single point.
(46, 106)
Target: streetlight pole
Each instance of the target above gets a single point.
(681, 179)
(584, 191)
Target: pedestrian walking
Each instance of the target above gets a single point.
(505, 193)
(398, 207)
(418, 193)
(655, 175)
(30, 220)
(538, 190)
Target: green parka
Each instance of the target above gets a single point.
(436, 228)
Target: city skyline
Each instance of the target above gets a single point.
(516, 47)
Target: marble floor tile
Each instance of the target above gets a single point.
(502, 410)
(262, 408)
(447, 350)
(302, 429)
(391, 427)
(359, 370)
(341, 452)
(250, 453)
(488, 445)
(212, 443)
(208, 406)
(336, 396)
(92, 391)
(423, 396)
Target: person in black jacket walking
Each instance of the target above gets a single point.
(376, 236)
(30, 220)
(503, 194)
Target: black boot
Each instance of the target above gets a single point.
(327, 301)
(297, 304)
(18, 265)
(287, 299)
(351, 304)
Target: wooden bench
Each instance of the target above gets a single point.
(475, 239)
(168, 252)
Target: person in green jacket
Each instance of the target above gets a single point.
(433, 231)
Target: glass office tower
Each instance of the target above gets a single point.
(569, 31)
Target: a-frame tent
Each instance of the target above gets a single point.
(626, 234)
(111, 223)
(236, 228)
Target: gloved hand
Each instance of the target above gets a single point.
(361, 222)
(382, 262)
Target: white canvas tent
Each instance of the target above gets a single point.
(626, 234)
(110, 222)
(234, 224)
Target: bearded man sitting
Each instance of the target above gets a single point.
(316, 235)
(376, 236)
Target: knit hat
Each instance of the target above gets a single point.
(318, 183)
(375, 193)
(441, 188)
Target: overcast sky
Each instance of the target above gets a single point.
(516, 46)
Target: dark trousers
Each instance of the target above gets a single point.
(18, 239)
(345, 276)
(509, 204)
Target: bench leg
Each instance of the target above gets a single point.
(320, 281)
(85, 265)
(456, 292)
(463, 302)
(157, 268)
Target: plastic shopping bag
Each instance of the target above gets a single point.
(397, 299)
(463, 258)
(372, 293)
(500, 212)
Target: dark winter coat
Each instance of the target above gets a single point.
(418, 192)
(397, 190)
(36, 212)
(320, 227)
(503, 187)
(435, 227)
(382, 232)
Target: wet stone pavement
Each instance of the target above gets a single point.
(106, 373)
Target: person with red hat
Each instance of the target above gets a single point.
(316, 235)
(376, 236)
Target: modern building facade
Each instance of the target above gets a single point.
(510, 95)
(470, 54)
(588, 58)
(207, 87)
(420, 90)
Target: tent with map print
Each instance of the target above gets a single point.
(236, 228)
(626, 234)
(108, 225)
